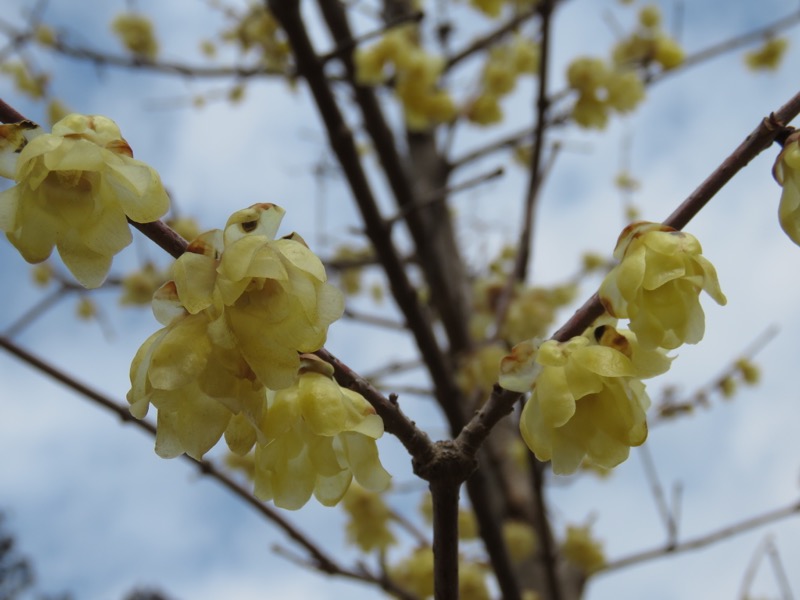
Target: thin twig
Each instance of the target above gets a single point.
(501, 401)
(442, 195)
(667, 515)
(703, 540)
(489, 39)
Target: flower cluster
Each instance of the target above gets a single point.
(317, 437)
(582, 550)
(239, 310)
(602, 87)
(648, 44)
(416, 76)
(76, 189)
(499, 77)
(787, 173)
(369, 517)
(258, 29)
(587, 400)
(657, 285)
(136, 34)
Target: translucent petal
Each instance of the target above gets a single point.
(362, 454)
(168, 444)
(195, 276)
(604, 361)
(322, 404)
(89, 267)
(301, 257)
(240, 435)
(555, 399)
(107, 232)
(9, 208)
(201, 424)
(181, 354)
(293, 483)
(330, 490)
(166, 305)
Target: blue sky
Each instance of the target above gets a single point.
(100, 512)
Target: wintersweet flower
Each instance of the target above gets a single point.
(787, 173)
(315, 437)
(582, 550)
(76, 188)
(272, 293)
(369, 518)
(587, 400)
(193, 374)
(657, 285)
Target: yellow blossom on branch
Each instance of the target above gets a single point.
(273, 293)
(587, 399)
(769, 56)
(314, 438)
(582, 550)
(657, 285)
(787, 173)
(136, 34)
(369, 518)
(193, 374)
(76, 188)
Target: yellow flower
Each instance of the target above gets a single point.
(136, 34)
(586, 400)
(272, 293)
(138, 287)
(787, 173)
(657, 285)
(75, 189)
(315, 437)
(769, 56)
(369, 517)
(192, 373)
(582, 550)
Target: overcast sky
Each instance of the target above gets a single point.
(100, 513)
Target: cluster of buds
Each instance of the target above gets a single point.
(258, 29)
(505, 63)
(136, 34)
(602, 87)
(648, 44)
(238, 313)
(415, 74)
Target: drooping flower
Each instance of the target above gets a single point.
(272, 293)
(315, 438)
(583, 550)
(76, 188)
(787, 173)
(587, 399)
(369, 518)
(657, 285)
(193, 374)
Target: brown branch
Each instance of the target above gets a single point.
(755, 143)
(703, 540)
(501, 401)
(321, 560)
(726, 46)
(444, 494)
(491, 38)
(430, 229)
(343, 145)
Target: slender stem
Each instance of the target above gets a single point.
(320, 560)
(544, 533)
(703, 540)
(501, 401)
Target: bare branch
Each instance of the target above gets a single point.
(703, 540)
